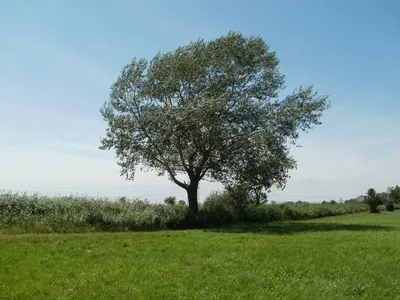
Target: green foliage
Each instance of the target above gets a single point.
(383, 197)
(225, 207)
(74, 214)
(123, 199)
(381, 207)
(394, 194)
(390, 205)
(359, 199)
(373, 200)
(170, 200)
(33, 213)
(221, 208)
(209, 110)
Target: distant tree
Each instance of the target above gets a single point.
(333, 202)
(170, 200)
(209, 110)
(390, 205)
(394, 194)
(122, 199)
(247, 194)
(384, 197)
(359, 199)
(373, 200)
(181, 202)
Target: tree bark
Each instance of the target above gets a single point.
(192, 197)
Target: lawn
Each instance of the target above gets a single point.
(346, 257)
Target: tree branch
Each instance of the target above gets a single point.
(171, 174)
(185, 167)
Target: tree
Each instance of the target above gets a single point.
(390, 205)
(373, 200)
(209, 110)
(394, 194)
(170, 200)
(384, 197)
(247, 194)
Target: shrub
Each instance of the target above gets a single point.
(72, 214)
(123, 199)
(219, 208)
(170, 200)
(381, 207)
(390, 205)
(34, 213)
(264, 213)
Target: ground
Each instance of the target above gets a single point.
(347, 257)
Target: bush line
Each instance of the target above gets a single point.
(23, 213)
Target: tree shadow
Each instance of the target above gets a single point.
(286, 228)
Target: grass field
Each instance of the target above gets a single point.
(346, 257)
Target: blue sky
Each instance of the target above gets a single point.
(59, 58)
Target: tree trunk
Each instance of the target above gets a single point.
(192, 197)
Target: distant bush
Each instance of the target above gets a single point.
(390, 205)
(219, 208)
(74, 214)
(381, 207)
(224, 207)
(170, 200)
(394, 194)
(33, 213)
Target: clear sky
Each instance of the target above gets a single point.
(59, 58)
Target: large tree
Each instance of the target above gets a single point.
(209, 110)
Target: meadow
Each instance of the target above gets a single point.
(342, 257)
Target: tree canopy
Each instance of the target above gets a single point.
(394, 194)
(209, 110)
(373, 200)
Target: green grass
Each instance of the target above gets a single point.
(347, 257)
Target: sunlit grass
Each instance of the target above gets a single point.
(347, 257)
